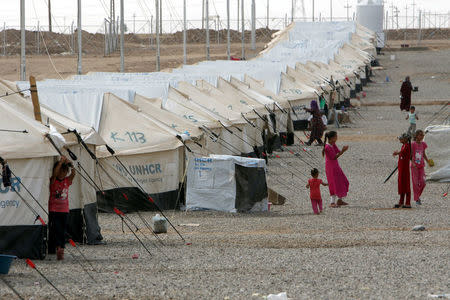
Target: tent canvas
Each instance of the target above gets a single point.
(30, 157)
(437, 138)
(83, 222)
(226, 183)
(149, 152)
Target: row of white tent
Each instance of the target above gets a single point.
(157, 122)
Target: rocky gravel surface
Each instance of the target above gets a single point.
(364, 251)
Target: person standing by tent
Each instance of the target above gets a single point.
(317, 126)
(58, 205)
(418, 165)
(337, 181)
(405, 93)
(404, 187)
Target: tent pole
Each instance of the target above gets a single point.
(35, 99)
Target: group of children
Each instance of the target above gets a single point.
(411, 165)
(337, 181)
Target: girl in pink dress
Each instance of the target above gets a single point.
(337, 181)
(418, 165)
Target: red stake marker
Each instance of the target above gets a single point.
(33, 266)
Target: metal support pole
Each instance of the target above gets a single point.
(243, 30)
(111, 26)
(184, 33)
(406, 16)
(313, 10)
(228, 31)
(158, 63)
(106, 39)
(122, 32)
(267, 15)
(160, 17)
(207, 27)
(386, 20)
(203, 14)
(331, 10)
(151, 31)
(253, 25)
(80, 49)
(238, 9)
(38, 40)
(49, 16)
(419, 37)
(4, 38)
(292, 10)
(72, 40)
(22, 41)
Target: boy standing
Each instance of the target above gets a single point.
(412, 116)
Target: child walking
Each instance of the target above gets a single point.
(314, 192)
(412, 117)
(337, 181)
(58, 205)
(404, 188)
(418, 165)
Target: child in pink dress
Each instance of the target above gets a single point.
(314, 192)
(337, 181)
(418, 165)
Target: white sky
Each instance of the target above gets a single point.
(94, 11)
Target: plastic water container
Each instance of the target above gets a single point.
(159, 224)
(5, 263)
(392, 56)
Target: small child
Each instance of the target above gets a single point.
(314, 186)
(58, 205)
(413, 117)
(404, 187)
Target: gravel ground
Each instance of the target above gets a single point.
(429, 70)
(363, 251)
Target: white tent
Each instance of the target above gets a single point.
(150, 154)
(83, 220)
(30, 157)
(226, 183)
(437, 138)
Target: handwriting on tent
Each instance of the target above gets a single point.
(133, 136)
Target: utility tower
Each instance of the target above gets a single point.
(347, 7)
